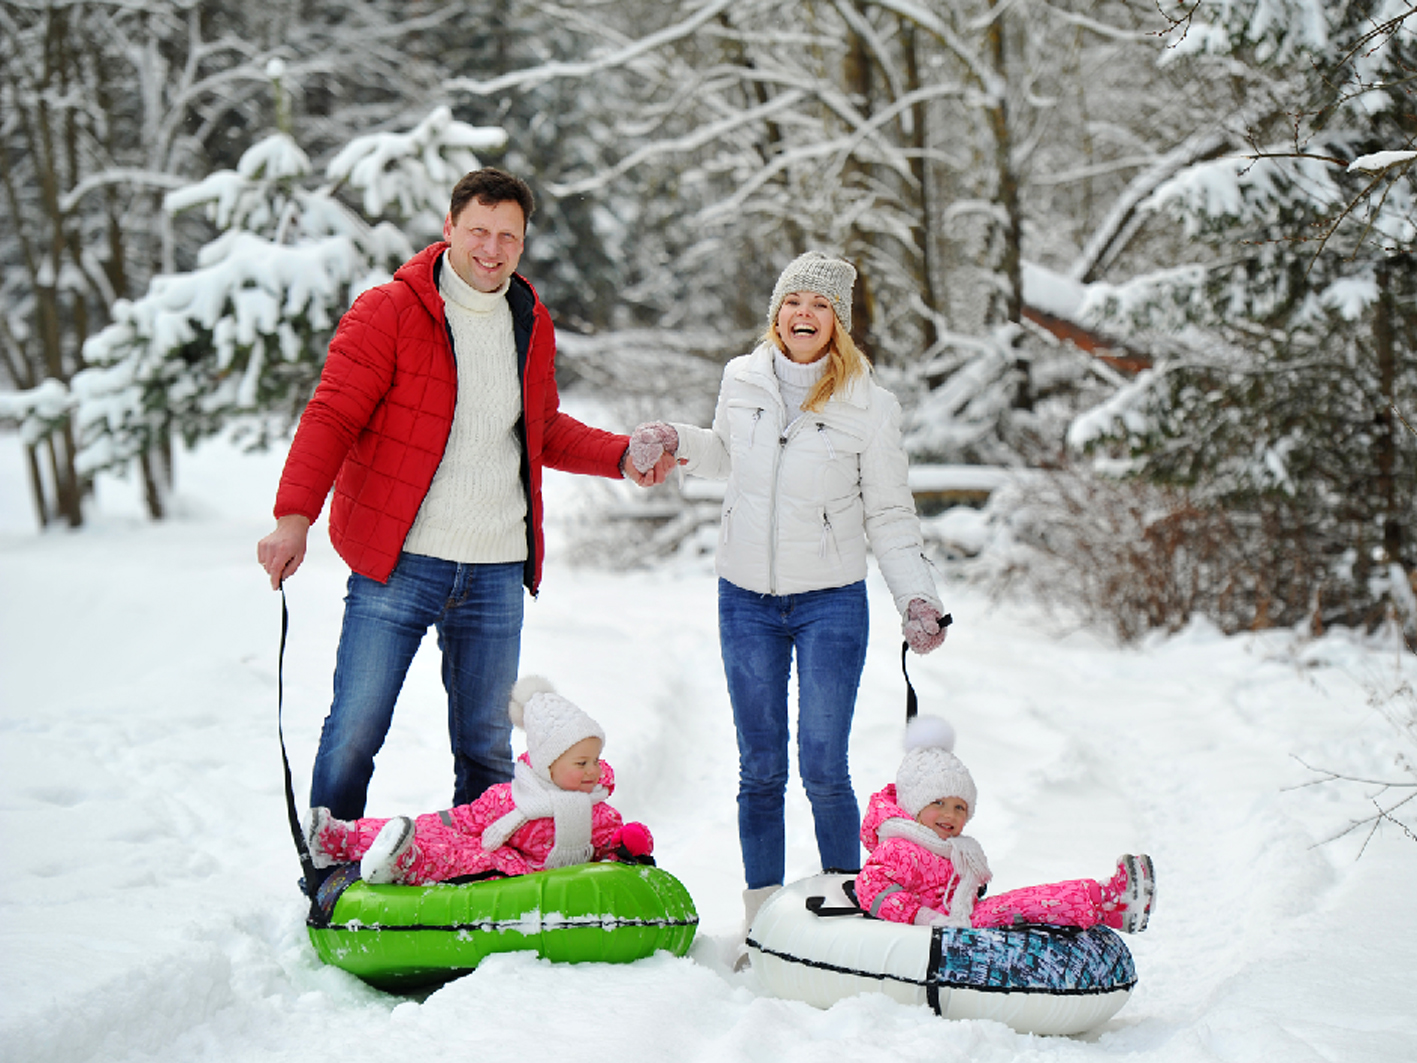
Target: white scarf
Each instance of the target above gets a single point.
(537, 797)
(965, 855)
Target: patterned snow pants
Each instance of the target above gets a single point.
(1077, 902)
(440, 850)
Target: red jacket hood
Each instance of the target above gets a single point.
(419, 274)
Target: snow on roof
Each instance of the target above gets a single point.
(1051, 292)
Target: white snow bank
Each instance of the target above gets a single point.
(147, 901)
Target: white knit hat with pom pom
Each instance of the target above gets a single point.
(930, 769)
(552, 724)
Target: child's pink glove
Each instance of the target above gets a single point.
(634, 844)
(924, 627)
(930, 917)
(649, 441)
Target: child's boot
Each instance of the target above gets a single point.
(326, 838)
(1128, 896)
(390, 854)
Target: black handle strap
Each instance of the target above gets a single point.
(817, 906)
(912, 703)
(312, 877)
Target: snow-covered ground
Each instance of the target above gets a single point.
(148, 908)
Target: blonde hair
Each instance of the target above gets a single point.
(845, 363)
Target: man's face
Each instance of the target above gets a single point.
(485, 242)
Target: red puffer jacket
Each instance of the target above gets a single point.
(377, 424)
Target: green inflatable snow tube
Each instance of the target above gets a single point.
(404, 937)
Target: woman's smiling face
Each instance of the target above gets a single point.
(805, 323)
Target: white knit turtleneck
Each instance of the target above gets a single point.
(795, 380)
(475, 509)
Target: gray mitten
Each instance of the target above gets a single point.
(649, 441)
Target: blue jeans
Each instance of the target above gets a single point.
(477, 610)
(758, 634)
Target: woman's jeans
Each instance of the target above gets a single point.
(477, 610)
(758, 634)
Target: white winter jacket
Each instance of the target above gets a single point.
(802, 500)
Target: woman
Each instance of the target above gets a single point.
(811, 448)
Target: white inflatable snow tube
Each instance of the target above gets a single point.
(809, 942)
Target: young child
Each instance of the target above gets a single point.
(553, 813)
(922, 870)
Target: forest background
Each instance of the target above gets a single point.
(1151, 264)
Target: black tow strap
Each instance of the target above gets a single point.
(912, 703)
(311, 881)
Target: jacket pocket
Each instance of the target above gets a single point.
(828, 544)
(838, 439)
(743, 424)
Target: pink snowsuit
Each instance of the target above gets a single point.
(922, 878)
(449, 844)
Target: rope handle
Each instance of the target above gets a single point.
(912, 703)
(307, 863)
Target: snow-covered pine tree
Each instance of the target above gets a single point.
(1292, 344)
(239, 340)
(105, 105)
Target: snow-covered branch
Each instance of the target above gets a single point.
(1103, 239)
(533, 76)
(119, 175)
(691, 141)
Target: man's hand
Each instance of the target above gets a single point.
(281, 552)
(649, 441)
(657, 474)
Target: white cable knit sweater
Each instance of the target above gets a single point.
(475, 509)
(795, 380)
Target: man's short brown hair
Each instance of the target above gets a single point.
(491, 186)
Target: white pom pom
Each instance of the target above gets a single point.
(522, 692)
(929, 732)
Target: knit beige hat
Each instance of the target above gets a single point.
(552, 723)
(816, 272)
(930, 770)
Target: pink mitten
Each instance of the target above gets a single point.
(636, 838)
(634, 844)
(922, 627)
(930, 917)
(649, 441)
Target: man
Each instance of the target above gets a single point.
(435, 412)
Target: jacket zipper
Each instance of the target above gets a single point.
(786, 434)
(772, 516)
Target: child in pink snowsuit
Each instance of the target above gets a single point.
(553, 813)
(922, 870)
